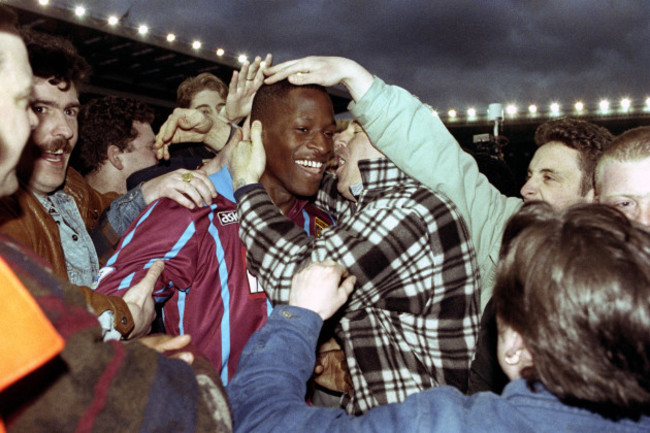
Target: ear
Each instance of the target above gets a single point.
(513, 356)
(514, 347)
(115, 156)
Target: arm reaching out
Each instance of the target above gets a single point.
(319, 288)
(325, 71)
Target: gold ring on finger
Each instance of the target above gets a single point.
(187, 177)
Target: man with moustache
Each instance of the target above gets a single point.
(55, 208)
(206, 289)
(55, 371)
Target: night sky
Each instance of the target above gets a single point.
(452, 54)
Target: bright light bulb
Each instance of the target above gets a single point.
(171, 37)
(220, 52)
(604, 105)
(112, 20)
(647, 103)
(579, 106)
(471, 112)
(452, 114)
(143, 30)
(196, 45)
(43, 2)
(532, 109)
(242, 58)
(555, 108)
(80, 11)
(511, 109)
(626, 104)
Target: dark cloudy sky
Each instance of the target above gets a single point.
(449, 53)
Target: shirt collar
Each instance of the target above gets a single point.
(223, 183)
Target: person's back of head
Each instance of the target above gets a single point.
(104, 122)
(56, 57)
(588, 139)
(576, 286)
(193, 85)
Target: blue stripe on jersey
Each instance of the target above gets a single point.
(180, 243)
(180, 304)
(223, 183)
(225, 298)
(305, 217)
(129, 235)
(126, 282)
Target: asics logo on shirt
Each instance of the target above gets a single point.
(229, 217)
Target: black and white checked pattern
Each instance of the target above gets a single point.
(412, 321)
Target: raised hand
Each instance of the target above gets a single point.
(243, 86)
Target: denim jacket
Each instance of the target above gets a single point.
(267, 394)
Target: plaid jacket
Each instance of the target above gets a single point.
(412, 321)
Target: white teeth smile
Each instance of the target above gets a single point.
(53, 156)
(312, 164)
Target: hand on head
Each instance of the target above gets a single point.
(320, 288)
(324, 71)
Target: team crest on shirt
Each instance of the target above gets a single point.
(319, 225)
(229, 217)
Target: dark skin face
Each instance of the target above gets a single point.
(298, 143)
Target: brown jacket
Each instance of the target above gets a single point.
(25, 219)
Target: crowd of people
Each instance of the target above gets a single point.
(257, 265)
